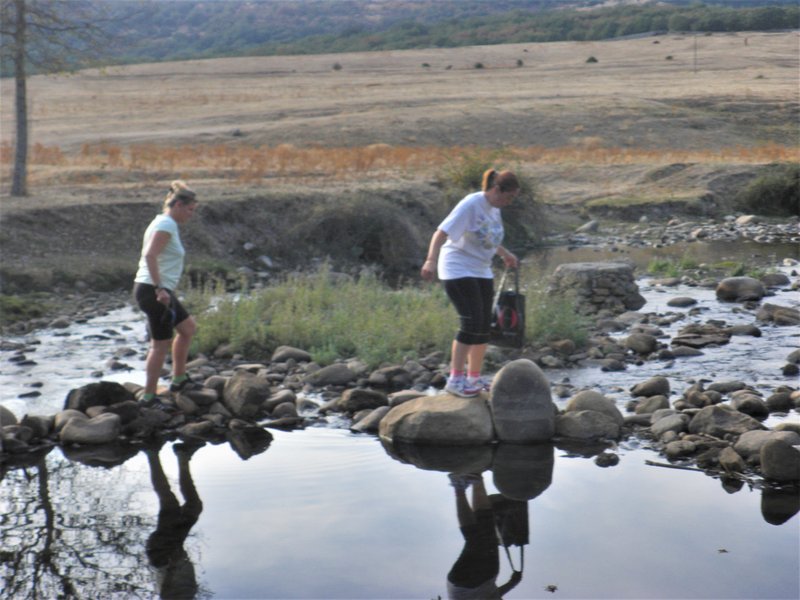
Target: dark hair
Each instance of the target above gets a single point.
(179, 192)
(506, 181)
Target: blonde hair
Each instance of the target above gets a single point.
(179, 192)
(506, 181)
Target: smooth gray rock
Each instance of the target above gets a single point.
(244, 393)
(641, 343)
(780, 461)
(750, 443)
(592, 400)
(721, 419)
(676, 422)
(586, 425)
(651, 404)
(285, 353)
(335, 374)
(740, 289)
(521, 405)
(7, 417)
(102, 429)
(655, 386)
(370, 423)
(356, 399)
(443, 419)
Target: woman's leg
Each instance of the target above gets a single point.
(471, 297)
(180, 345)
(154, 363)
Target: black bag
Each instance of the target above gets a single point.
(508, 315)
(511, 521)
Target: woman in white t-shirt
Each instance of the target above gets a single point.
(160, 269)
(461, 250)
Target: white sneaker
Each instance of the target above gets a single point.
(460, 387)
(484, 383)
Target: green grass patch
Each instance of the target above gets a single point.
(332, 317)
(20, 308)
(335, 316)
(550, 317)
(670, 267)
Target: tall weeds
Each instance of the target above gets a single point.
(248, 163)
(335, 316)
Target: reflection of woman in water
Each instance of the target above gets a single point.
(176, 578)
(474, 574)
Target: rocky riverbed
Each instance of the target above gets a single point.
(726, 425)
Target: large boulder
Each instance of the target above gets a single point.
(740, 289)
(521, 404)
(101, 393)
(244, 394)
(586, 425)
(720, 419)
(592, 400)
(356, 399)
(443, 419)
(655, 386)
(102, 429)
(7, 417)
(335, 374)
(750, 443)
(780, 461)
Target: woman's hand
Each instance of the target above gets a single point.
(428, 270)
(162, 296)
(510, 260)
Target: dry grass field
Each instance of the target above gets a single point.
(604, 130)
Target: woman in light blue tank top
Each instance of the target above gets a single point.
(160, 269)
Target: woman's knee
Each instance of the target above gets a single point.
(187, 327)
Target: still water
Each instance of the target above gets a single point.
(324, 513)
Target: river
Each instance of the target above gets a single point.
(325, 513)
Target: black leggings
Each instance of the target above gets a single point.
(472, 297)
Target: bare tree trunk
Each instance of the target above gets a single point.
(19, 185)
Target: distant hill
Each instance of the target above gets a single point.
(168, 30)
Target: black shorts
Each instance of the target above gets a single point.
(161, 319)
(473, 298)
(480, 559)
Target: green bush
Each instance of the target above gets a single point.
(776, 192)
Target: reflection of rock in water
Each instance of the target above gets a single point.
(779, 505)
(455, 459)
(522, 472)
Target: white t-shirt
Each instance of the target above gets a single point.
(474, 230)
(170, 261)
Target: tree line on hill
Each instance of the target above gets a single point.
(170, 30)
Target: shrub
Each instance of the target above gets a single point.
(478, 65)
(591, 59)
(337, 67)
(776, 192)
(519, 62)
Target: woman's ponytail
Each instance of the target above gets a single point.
(488, 179)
